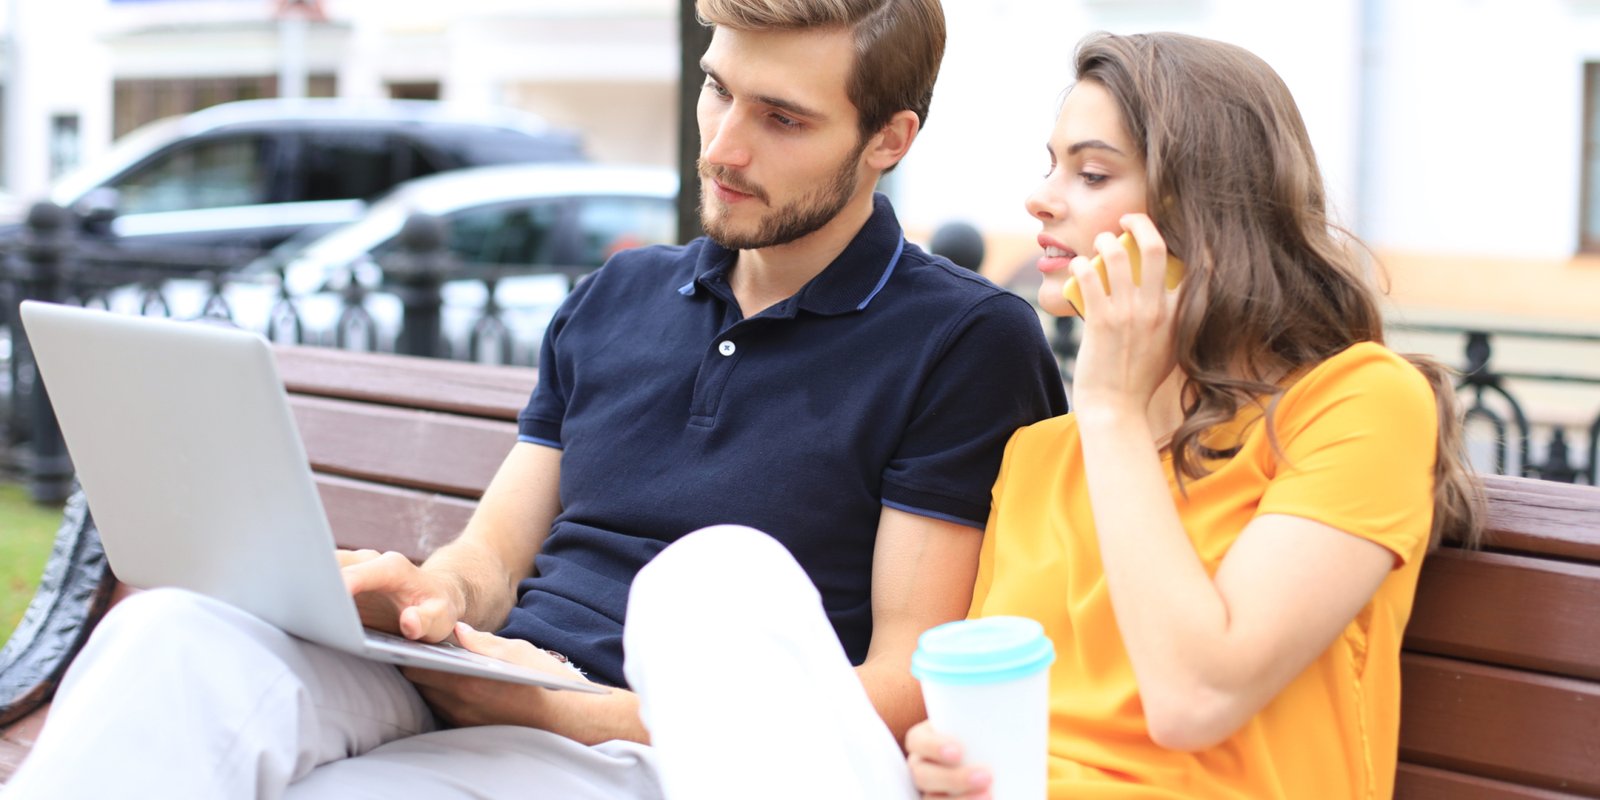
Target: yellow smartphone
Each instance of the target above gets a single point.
(1074, 295)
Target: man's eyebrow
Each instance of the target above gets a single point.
(789, 106)
(1092, 144)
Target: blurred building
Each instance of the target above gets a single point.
(1459, 137)
(92, 70)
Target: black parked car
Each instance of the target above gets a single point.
(222, 185)
(522, 233)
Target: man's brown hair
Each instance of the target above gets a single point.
(898, 44)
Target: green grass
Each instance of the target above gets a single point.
(27, 530)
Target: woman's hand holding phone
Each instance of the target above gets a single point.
(1128, 347)
(1074, 295)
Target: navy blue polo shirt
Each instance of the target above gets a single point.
(893, 378)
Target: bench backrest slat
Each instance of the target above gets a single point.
(403, 447)
(1508, 725)
(1426, 783)
(473, 389)
(371, 515)
(1542, 517)
(1554, 625)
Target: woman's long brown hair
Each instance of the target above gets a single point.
(1234, 187)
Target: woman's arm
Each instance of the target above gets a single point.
(1210, 652)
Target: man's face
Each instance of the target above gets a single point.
(780, 154)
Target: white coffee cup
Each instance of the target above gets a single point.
(986, 682)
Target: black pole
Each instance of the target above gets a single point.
(11, 271)
(1557, 464)
(415, 273)
(46, 237)
(693, 39)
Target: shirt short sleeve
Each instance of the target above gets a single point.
(540, 421)
(1359, 439)
(997, 375)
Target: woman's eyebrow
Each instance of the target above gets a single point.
(1092, 144)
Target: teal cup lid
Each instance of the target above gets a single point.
(984, 650)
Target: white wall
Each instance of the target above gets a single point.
(1481, 126)
(1008, 61)
(58, 69)
(1474, 145)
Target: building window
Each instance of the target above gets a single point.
(141, 100)
(1589, 226)
(64, 144)
(422, 90)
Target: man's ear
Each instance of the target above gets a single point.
(891, 142)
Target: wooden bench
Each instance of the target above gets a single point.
(1502, 669)
(1501, 675)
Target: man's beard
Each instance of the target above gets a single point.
(800, 218)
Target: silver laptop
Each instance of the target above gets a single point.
(186, 449)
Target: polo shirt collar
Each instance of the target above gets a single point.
(848, 284)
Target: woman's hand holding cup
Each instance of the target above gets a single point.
(936, 766)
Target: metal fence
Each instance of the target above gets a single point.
(53, 262)
(1506, 433)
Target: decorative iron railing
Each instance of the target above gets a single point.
(1506, 431)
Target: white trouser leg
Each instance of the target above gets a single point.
(498, 762)
(742, 681)
(177, 695)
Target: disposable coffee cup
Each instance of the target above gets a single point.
(986, 682)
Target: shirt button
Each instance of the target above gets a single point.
(726, 348)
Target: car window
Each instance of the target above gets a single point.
(413, 161)
(211, 173)
(340, 165)
(506, 234)
(469, 146)
(608, 224)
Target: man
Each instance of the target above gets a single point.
(803, 371)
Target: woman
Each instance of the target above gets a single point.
(1223, 539)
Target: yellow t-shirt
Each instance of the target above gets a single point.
(1358, 433)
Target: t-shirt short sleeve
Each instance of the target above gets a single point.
(1359, 438)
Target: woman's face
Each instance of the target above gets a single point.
(1096, 176)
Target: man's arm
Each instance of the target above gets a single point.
(496, 550)
(922, 575)
(923, 570)
(474, 578)
(586, 718)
